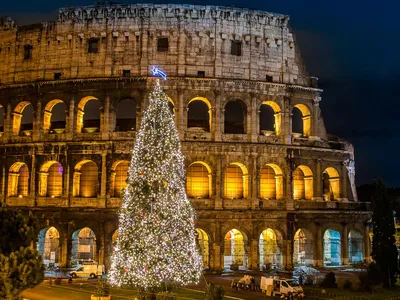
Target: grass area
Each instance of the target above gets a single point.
(382, 294)
(120, 293)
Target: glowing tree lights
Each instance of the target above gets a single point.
(156, 240)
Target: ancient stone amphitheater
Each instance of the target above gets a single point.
(271, 188)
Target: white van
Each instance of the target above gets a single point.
(88, 270)
(287, 287)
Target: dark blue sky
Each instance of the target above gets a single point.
(353, 47)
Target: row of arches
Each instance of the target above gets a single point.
(235, 250)
(198, 181)
(199, 116)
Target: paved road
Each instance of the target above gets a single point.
(76, 292)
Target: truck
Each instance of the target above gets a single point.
(88, 270)
(287, 288)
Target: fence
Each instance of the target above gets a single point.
(317, 295)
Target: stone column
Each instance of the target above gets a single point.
(254, 263)
(367, 244)
(105, 116)
(218, 183)
(318, 248)
(215, 259)
(217, 115)
(71, 117)
(314, 120)
(37, 120)
(65, 254)
(343, 182)
(103, 175)
(345, 244)
(32, 185)
(254, 113)
(7, 123)
(286, 125)
(181, 46)
(318, 181)
(289, 181)
(100, 250)
(287, 254)
(180, 114)
(254, 180)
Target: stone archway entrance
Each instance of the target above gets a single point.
(48, 245)
(234, 250)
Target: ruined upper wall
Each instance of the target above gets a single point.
(199, 38)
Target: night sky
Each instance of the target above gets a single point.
(352, 46)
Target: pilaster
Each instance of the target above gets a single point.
(345, 244)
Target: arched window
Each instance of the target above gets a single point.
(235, 117)
(198, 177)
(331, 184)
(234, 253)
(271, 182)
(332, 251)
(235, 181)
(126, 115)
(88, 115)
(18, 180)
(23, 119)
(303, 248)
(302, 183)
(269, 249)
(270, 118)
(51, 179)
(48, 245)
(199, 114)
(121, 175)
(85, 179)
(54, 118)
(1, 120)
(301, 120)
(83, 245)
(203, 247)
(355, 247)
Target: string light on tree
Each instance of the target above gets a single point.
(156, 240)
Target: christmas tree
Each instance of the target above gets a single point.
(156, 240)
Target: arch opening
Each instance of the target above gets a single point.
(302, 183)
(236, 181)
(86, 181)
(235, 117)
(331, 184)
(355, 247)
(119, 176)
(270, 250)
(18, 180)
(54, 118)
(2, 117)
(202, 242)
(303, 248)
(51, 179)
(126, 115)
(23, 119)
(88, 115)
(48, 246)
(271, 182)
(198, 180)
(83, 246)
(301, 121)
(199, 114)
(332, 250)
(234, 250)
(270, 118)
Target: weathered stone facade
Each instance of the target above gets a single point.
(213, 55)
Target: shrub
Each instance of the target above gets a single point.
(347, 285)
(372, 278)
(166, 296)
(329, 281)
(214, 292)
(102, 288)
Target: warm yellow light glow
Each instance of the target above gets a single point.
(302, 183)
(198, 180)
(331, 184)
(202, 243)
(305, 112)
(235, 181)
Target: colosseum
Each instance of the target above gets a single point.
(272, 189)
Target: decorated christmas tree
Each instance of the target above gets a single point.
(156, 240)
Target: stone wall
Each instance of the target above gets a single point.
(199, 39)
